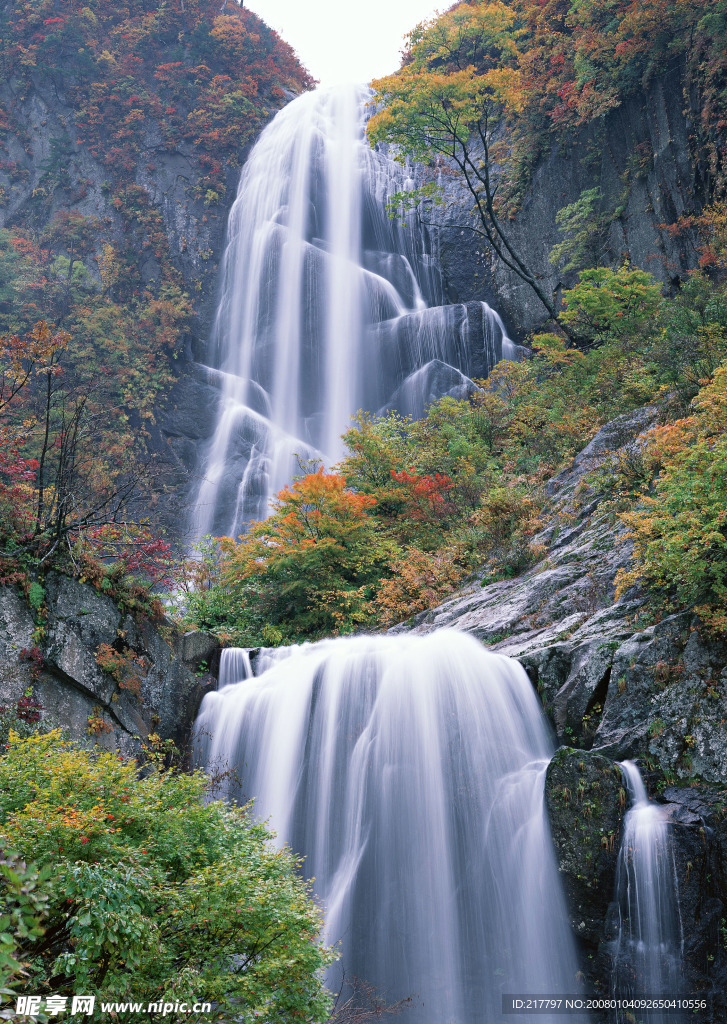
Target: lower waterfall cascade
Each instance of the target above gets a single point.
(409, 773)
(327, 306)
(647, 955)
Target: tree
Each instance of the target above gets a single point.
(459, 87)
(154, 892)
(23, 906)
(679, 530)
(66, 472)
(619, 304)
(313, 566)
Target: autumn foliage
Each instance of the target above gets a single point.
(545, 68)
(312, 566)
(417, 509)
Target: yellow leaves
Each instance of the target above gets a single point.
(461, 68)
(555, 351)
(711, 403)
(680, 547)
(507, 85)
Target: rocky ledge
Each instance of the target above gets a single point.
(97, 670)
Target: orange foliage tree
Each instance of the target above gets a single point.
(68, 482)
(313, 566)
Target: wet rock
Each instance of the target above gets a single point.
(585, 801)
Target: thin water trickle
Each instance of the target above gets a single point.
(327, 306)
(647, 955)
(409, 772)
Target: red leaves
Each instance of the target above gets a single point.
(426, 497)
(27, 708)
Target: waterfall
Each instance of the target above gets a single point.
(409, 772)
(234, 666)
(648, 950)
(326, 306)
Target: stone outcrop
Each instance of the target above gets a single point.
(161, 696)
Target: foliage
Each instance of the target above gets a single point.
(459, 493)
(182, 71)
(312, 567)
(156, 893)
(124, 666)
(67, 479)
(419, 580)
(580, 223)
(680, 531)
(182, 77)
(612, 304)
(23, 717)
(460, 85)
(487, 88)
(23, 907)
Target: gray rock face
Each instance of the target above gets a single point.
(160, 694)
(586, 801)
(637, 155)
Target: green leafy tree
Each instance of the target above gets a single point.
(580, 223)
(23, 908)
(612, 304)
(156, 893)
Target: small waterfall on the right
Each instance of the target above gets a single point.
(647, 954)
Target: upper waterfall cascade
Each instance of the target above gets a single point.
(409, 772)
(327, 306)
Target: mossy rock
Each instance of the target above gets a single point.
(585, 800)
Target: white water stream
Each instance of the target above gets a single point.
(647, 954)
(327, 306)
(409, 771)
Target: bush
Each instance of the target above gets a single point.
(22, 910)
(680, 532)
(157, 894)
(312, 567)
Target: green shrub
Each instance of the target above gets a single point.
(156, 893)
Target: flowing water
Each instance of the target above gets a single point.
(409, 772)
(648, 951)
(327, 306)
(234, 666)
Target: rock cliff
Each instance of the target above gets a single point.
(98, 671)
(640, 158)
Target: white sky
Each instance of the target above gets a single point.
(345, 40)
